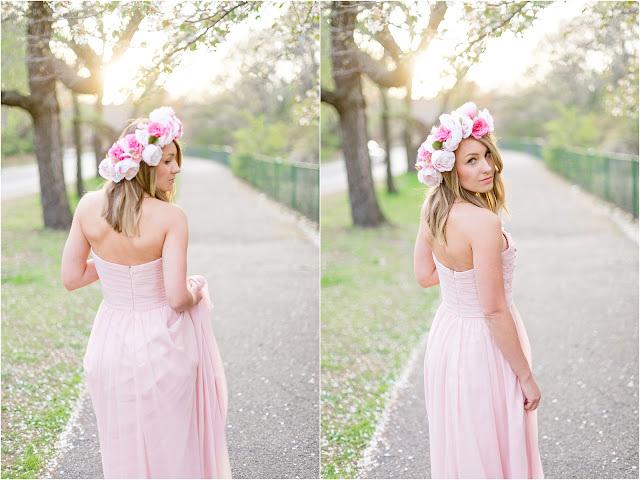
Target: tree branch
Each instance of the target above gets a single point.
(378, 73)
(16, 99)
(87, 86)
(387, 41)
(330, 97)
(435, 18)
(125, 40)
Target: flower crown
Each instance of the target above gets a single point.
(124, 156)
(436, 155)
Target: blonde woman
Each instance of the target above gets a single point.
(480, 392)
(152, 365)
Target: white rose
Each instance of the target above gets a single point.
(466, 123)
(428, 144)
(453, 125)
(152, 155)
(443, 160)
(106, 169)
(127, 168)
(142, 135)
(430, 177)
(486, 116)
(162, 115)
(467, 110)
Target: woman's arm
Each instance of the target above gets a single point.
(174, 264)
(486, 245)
(77, 269)
(424, 267)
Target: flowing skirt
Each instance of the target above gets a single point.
(478, 427)
(159, 392)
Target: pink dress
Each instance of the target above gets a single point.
(478, 427)
(156, 380)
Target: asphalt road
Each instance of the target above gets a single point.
(576, 287)
(263, 274)
(25, 179)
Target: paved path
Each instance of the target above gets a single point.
(25, 179)
(576, 286)
(333, 175)
(263, 275)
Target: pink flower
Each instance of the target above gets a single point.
(115, 151)
(424, 155)
(480, 128)
(157, 129)
(132, 142)
(442, 133)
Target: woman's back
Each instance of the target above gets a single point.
(155, 220)
(463, 223)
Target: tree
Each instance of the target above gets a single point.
(349, 60)
(187, 26)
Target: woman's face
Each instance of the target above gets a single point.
(475, 166)
(168, 168)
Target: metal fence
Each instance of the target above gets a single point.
(217, 153)
(293, 183)
(611, 176)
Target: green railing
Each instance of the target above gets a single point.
(611, 176)
(293, 183)
(217, 153)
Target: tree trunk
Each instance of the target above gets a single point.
(407, 131)
(97, 133)
(350, 104)
(391, 188)
(77, 140)
(46, 119)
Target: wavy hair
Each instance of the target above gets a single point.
(440, 199)
(123, 202)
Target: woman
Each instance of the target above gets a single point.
(480, 392)
(152, 364)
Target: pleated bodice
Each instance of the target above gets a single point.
(137, 287)
(459, 291)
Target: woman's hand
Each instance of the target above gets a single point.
(532, 394)
(195, 284)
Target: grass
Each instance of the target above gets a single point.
(44, 335)
(373, 315)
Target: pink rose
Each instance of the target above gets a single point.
(115, 151)
(424, 155)
(442, 133)
(131, 142)
(480, 128)
(156, 129)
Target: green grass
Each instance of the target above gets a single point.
(44, 335)
(373, 315)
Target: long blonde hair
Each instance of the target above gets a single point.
(440, 199)
(122, 206)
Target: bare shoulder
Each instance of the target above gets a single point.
(167, 213)
(473, 221)
(90, 201)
